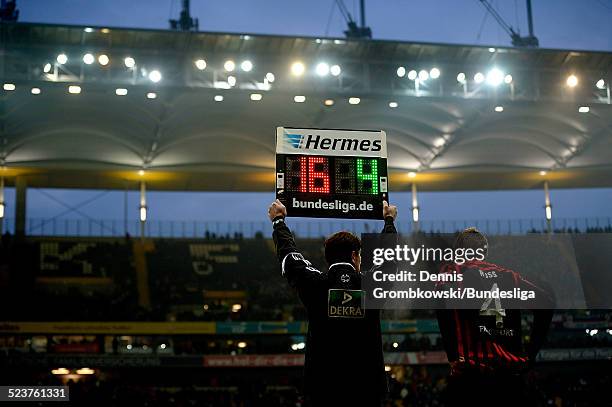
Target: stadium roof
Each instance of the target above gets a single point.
(449, 133)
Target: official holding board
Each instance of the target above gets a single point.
(344, 363)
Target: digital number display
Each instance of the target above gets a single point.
(314, 180)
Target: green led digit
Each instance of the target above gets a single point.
(367, 176)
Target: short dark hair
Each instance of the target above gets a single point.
(340, 246)
(471, 238)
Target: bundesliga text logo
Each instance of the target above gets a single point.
(318, 142)
(335, 205)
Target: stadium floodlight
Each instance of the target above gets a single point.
(479, 77)
(328, 102)
(121, 91)
(499, 109)
(85, 371)
(231, 80)
(8, 87)
(88, 29)
(200, 64)
(47, 68)
(246, 66)
(129, 62)
(155, 76)
(412, 75)
(74, 89)
(572, 81)
(143, 213)
(270, 77)
(256, 97)
(411, 174)
(1, 210)
(236, 307)
(543, 173)
(103, 59)
(601, 84)
(162, 346)
(423, 75)
(508, 79)
(299, 99)
(415, 214)
(60, 371)
(35, 91)
(461, 77)
(105, 31)
(88, 59)
(387, 368)
(491, 49)
(395, 344)
(242, 344)
(62, 59)
(548, 211)
(218, 98)
(584, 109)
(354, 100)
(322, 69)
(401, 71)
(229, 65)
(128, 347)
(335, 70)
(439, 142)
(297, 69)
(434, 73)
(141, 172)
(393, 105)
(151, 95)
(495, 77)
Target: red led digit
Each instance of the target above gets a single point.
(303, 173)
(318, 175)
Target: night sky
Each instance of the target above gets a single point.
(565, 24)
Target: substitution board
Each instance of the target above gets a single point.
(326, 173)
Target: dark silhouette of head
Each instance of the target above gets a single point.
(472, 238)
(343, 247)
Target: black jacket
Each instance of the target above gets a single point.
(344, 359)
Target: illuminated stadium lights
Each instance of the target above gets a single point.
(143, 213)
(270, 77)
(229, 65)
(242, 344)
(88, 59)
(395, 345)
(479, 77)
(328, 102)
(129, 62)
(121, 91)
(423, 75)
(256, 97)
(495, 77)
(297, 69)
(62, 59)
(411, 174)
(8, 86)
(499, 109)
(601, 84)
(335, 70)
(387, 368)
(548, 212)
(74, 89)
(141, 173)
(584, 109)
(461, 77)
(298, 346)
(128, 347)
(1, 210)
(354, 100)
(61, 370)
(231, 80)
(155, 76)
(508, 79)
(35, 91)
(491, 49)
(218, 98)
(105, 31)
(85, 371)
(412, 75)
(543, 173)
(200, 64)
(236, 307)
(572, 81)
(299, 99)
(322, 69)
(393, 105)
(103, 59)
(439, 142)
(162, 346)
(47, 68)
(88, 29)
(246, 66)
(434, 73)
(151, 95)
(401, 71)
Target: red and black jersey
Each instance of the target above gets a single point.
(488, 336)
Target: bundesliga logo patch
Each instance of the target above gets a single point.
(345, 303)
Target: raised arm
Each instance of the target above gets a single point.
(389, 214)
